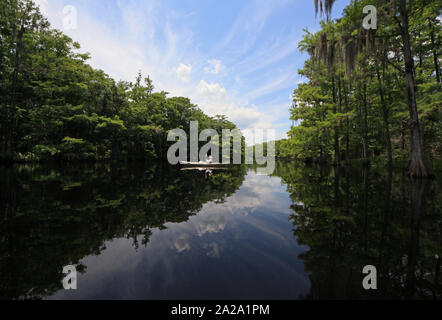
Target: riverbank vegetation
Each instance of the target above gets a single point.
(55, 106)
(372, 94)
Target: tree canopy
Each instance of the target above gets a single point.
(370, 94)
(54, 105)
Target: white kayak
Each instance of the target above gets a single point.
(201, 164)
(203, 168)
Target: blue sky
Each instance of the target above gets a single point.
(237, 58)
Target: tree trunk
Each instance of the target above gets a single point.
(339, 111)
(337, 157)
(385, 117)
(434, 47)
(419, 188)
(347, 135)
(417, 167)
(365, 126)
(10, 117)
(365, 204)
(402, 136)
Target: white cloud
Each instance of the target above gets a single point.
(215, 66)
(150, 41)
(214, 99)
(272, 51)
(213, 249)
(212, 223)
(271, 86)
(182, 243)
(212, 90)
(250, 21)
(183, 72)
(43, 4)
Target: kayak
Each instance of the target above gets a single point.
(203, 168)
(202, 164)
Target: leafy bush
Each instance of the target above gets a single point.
(77, 149)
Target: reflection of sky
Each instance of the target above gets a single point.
(243, 248)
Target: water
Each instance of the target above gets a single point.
(155, 232)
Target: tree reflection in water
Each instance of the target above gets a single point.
(352, 218)
(343, 218)
(55, 216)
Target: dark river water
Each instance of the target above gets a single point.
(147, 231)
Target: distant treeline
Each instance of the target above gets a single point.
(53, 105)
(371, 94)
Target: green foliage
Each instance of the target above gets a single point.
(44, 151)
(54, 105)
(354, 104)
(77, 149)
